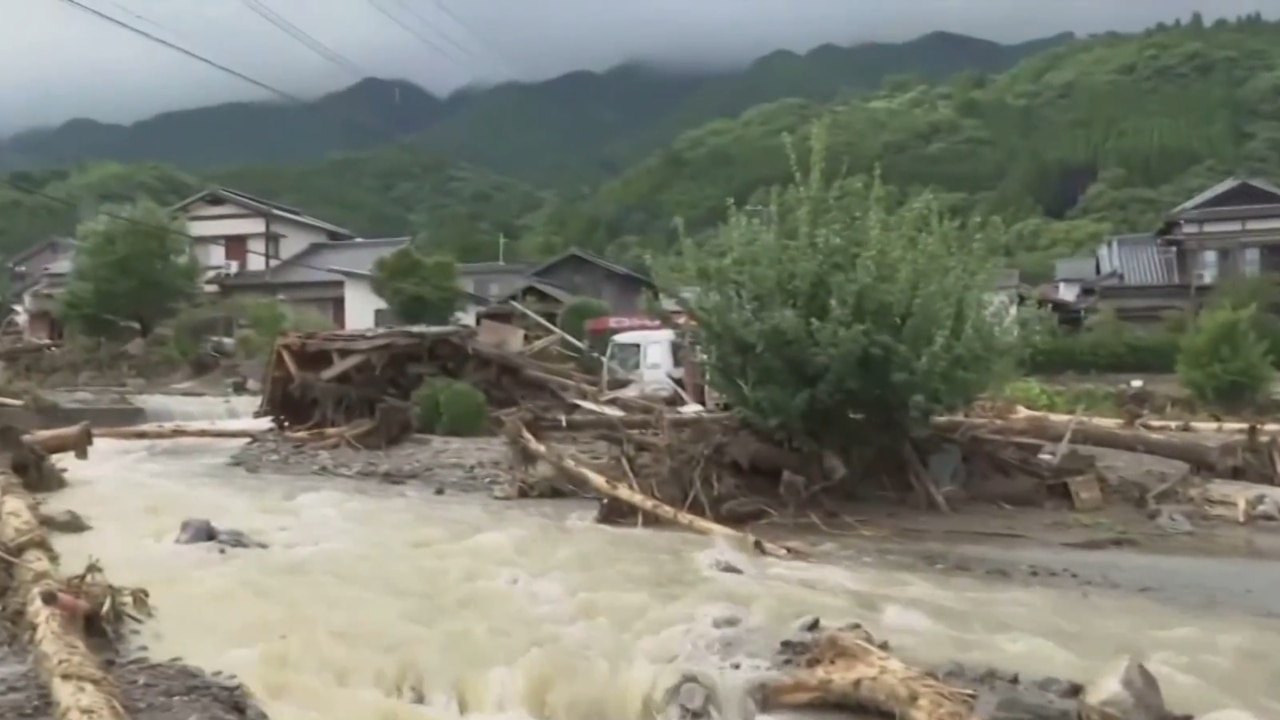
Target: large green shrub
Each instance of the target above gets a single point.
(575, 315)
(1223, 362)
(1105, 345)
(450, 407)
(834, 315)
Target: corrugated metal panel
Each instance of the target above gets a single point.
(1141, 260)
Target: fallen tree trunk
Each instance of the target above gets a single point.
(847, 669)
(173, 432)
(645, 504)
(73, 439)
(1199, 455)
(1158, 424)
(573, 423)
(79, 686)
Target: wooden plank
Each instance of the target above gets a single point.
(347, 363)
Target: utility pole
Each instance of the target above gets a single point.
(502, 248)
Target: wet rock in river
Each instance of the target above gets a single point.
(65, 521)
(200, 530)
(1126, 690)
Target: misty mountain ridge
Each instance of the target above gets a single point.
(574, 128)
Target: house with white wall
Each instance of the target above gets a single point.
(315, 280)
(237, 233)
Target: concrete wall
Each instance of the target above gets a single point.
(361, 303)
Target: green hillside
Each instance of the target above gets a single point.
(1097, 135)
(572, 129)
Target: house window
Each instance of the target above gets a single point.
(1207, 267)
(235, 249)
(1252, 261)
(273, 248)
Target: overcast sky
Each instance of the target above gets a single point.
(60, 62)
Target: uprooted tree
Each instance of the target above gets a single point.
(841, 321)
(132, 264)
(419, 289)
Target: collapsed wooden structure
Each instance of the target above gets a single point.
(362, 381)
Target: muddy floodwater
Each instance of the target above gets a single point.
(389, 602)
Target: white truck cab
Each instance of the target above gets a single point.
(650, 359)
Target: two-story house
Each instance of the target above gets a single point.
(1228, 231)
(235, 232)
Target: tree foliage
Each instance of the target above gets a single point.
(831, 312)
(1223, 361)
(419, 289)
(134, 265)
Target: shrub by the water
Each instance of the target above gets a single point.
(450, 407)
(426, 405)
(1223, 362)
(464, 412)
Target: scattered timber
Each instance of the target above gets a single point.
(78, 684)
(846, 668)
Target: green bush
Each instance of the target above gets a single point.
(464, 411)
(1105, 345)
(1035, 395)
(450, 407)
(577, 312)
(1223, 362)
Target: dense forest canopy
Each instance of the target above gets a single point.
(1083, 138)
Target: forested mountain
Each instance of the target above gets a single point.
(1098, 135)
(579, 127)
(398, 190)
(1094, 136)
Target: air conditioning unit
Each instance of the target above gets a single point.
(1205, 277)
(231, 267)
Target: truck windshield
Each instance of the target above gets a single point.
(625, 357)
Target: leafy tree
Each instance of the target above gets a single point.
(575, 315)
(134, 265)
(1222, 360)
(419, 289)
(833, 317)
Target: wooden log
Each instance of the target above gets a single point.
(73, 439)
(846, 669)
(1159, 424)
(1198, 454)
(173, 432)
(618, 491)
(572, 423)
(79, 686)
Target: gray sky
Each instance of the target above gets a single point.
(60, 62)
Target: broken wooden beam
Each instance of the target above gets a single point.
(71, 439)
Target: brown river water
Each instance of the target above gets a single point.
(373, 597)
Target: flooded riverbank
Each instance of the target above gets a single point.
(380, 601)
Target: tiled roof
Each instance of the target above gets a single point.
(265, 206)
(323, 262)
(1222, 187)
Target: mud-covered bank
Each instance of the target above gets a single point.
(150, 690)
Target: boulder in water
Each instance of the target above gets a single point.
(65, 521)
(201, 530)
(1126, 690)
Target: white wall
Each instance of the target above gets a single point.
(295, 236)
(361, 303)
(1212, 226)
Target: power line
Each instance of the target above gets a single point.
(480, 40)
(426, 41)
(441, 33)
(264, 11)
